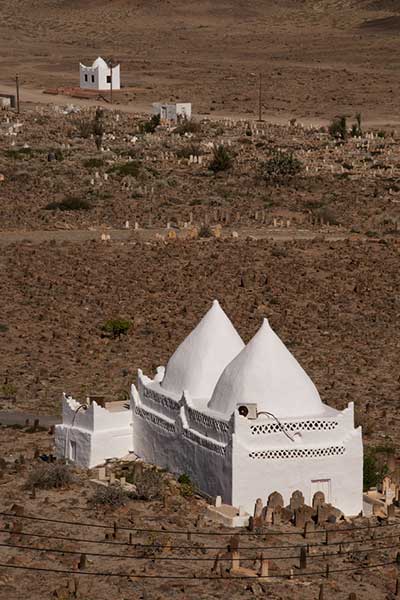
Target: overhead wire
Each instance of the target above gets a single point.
(193, 577)
(192, 532)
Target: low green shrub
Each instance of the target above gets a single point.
(112, 495)
(188, 151)
(116, 327)
(205, 231)
(131, 168)
(19, 153)
(149, 126)
(187, 126)
(149, 482)
(338, 128)
(93, 163)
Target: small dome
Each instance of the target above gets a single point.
(99, 62)
(267, 374)
(200, 359)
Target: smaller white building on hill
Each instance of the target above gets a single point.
(173, 112)
(99, 76)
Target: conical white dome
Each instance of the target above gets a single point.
(199, 361)
(267, 374)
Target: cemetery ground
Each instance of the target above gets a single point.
(56, 172)
(287, 222)
(89, 543)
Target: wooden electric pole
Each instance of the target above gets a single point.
(260, 100)
(111, 82)
(17, 91)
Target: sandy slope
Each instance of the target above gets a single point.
(317, 58)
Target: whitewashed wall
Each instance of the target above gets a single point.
(242, 459)
(90, 437)
(99, 73)
(164, 435)
(329, 450)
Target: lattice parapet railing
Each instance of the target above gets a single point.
(190, 435)
(289, 453)
(310, 425)
(157, 401)
(154, 419)
(208, 425)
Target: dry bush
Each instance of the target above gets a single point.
(222, 159)
(50, 476)
(111, 495)
(150, 483)
(187, 126)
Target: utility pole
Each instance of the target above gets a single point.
(17, 90)
(111, 81)
(260, 100)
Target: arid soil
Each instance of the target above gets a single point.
(151, 178)
(335, 305)
(199, 235)
(318, 58)
(161, 550)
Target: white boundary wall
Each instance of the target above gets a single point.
(90, 437)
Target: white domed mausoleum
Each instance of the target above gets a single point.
(245, 421)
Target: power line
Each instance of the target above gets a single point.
(193, 531)
(192, 577)
(196, 558)
(160, 546)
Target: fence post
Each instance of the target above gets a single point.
(303, 558)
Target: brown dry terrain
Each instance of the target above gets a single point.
(316, 251)
(318, 58)
(150, 179)
(335, 305)
(160, 560)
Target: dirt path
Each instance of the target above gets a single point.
(36, 96)
(125, 235)
(21, 418)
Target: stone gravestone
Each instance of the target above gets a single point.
(302, 515)
(277, 515)
(274, 500)
(258, 510)
(318, 499)
(296, 500)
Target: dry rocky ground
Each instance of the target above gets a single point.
(151, 178)
(335, 304)
(318, 58)
(60, 546)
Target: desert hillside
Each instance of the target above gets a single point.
(318, 58)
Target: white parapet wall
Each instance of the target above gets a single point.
(90, 434)
(326, 455)
(244, 459)
(171, 433)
